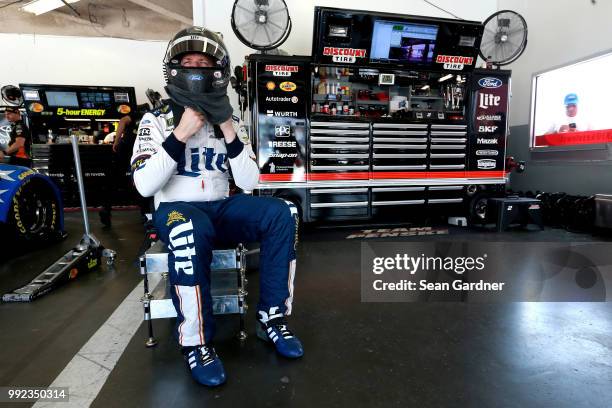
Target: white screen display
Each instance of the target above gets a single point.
(572, 102)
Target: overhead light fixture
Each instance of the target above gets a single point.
(445, 78)
(39, 7)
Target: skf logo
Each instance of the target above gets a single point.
(454, 62)
(490, 83)
(346, 55)
(486, 100)
(175, 216)
(288, 86)
(487, 129)
(486, 164)
(282, 131)
(282, 70)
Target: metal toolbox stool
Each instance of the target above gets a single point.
(228, 285)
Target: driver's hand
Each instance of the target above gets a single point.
(191, 122)
(564, 129)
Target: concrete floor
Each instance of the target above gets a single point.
(357, 354)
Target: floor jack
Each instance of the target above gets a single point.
(83, 257)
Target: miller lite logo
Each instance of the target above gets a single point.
(487, 100)
(345, 55)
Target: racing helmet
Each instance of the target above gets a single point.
(197, 80)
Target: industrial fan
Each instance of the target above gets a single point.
(261, 24)
(504, 38)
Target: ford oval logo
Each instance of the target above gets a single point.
(196, 77)
(490, 82)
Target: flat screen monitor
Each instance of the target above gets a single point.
(570, 104)
(66, 99)
(400, 42)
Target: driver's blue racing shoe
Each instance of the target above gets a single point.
(272, 327)
(205, 366)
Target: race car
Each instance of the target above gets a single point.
(30, 206)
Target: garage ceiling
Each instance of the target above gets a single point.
(135, 19)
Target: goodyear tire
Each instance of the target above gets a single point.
(34, 214)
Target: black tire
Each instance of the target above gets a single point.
(34, 214)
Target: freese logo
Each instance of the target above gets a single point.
(490, 83)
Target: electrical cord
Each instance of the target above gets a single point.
(440, 8)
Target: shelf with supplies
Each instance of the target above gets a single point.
(425, 97)
(331, 97)
(370, 102)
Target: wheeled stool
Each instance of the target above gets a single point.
(227, 282)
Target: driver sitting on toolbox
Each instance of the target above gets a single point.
(186, 168)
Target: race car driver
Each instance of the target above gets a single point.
(183, 155)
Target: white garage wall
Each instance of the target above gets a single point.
(81, 61)
(560, 31)
(111, 61)
(302, 16)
